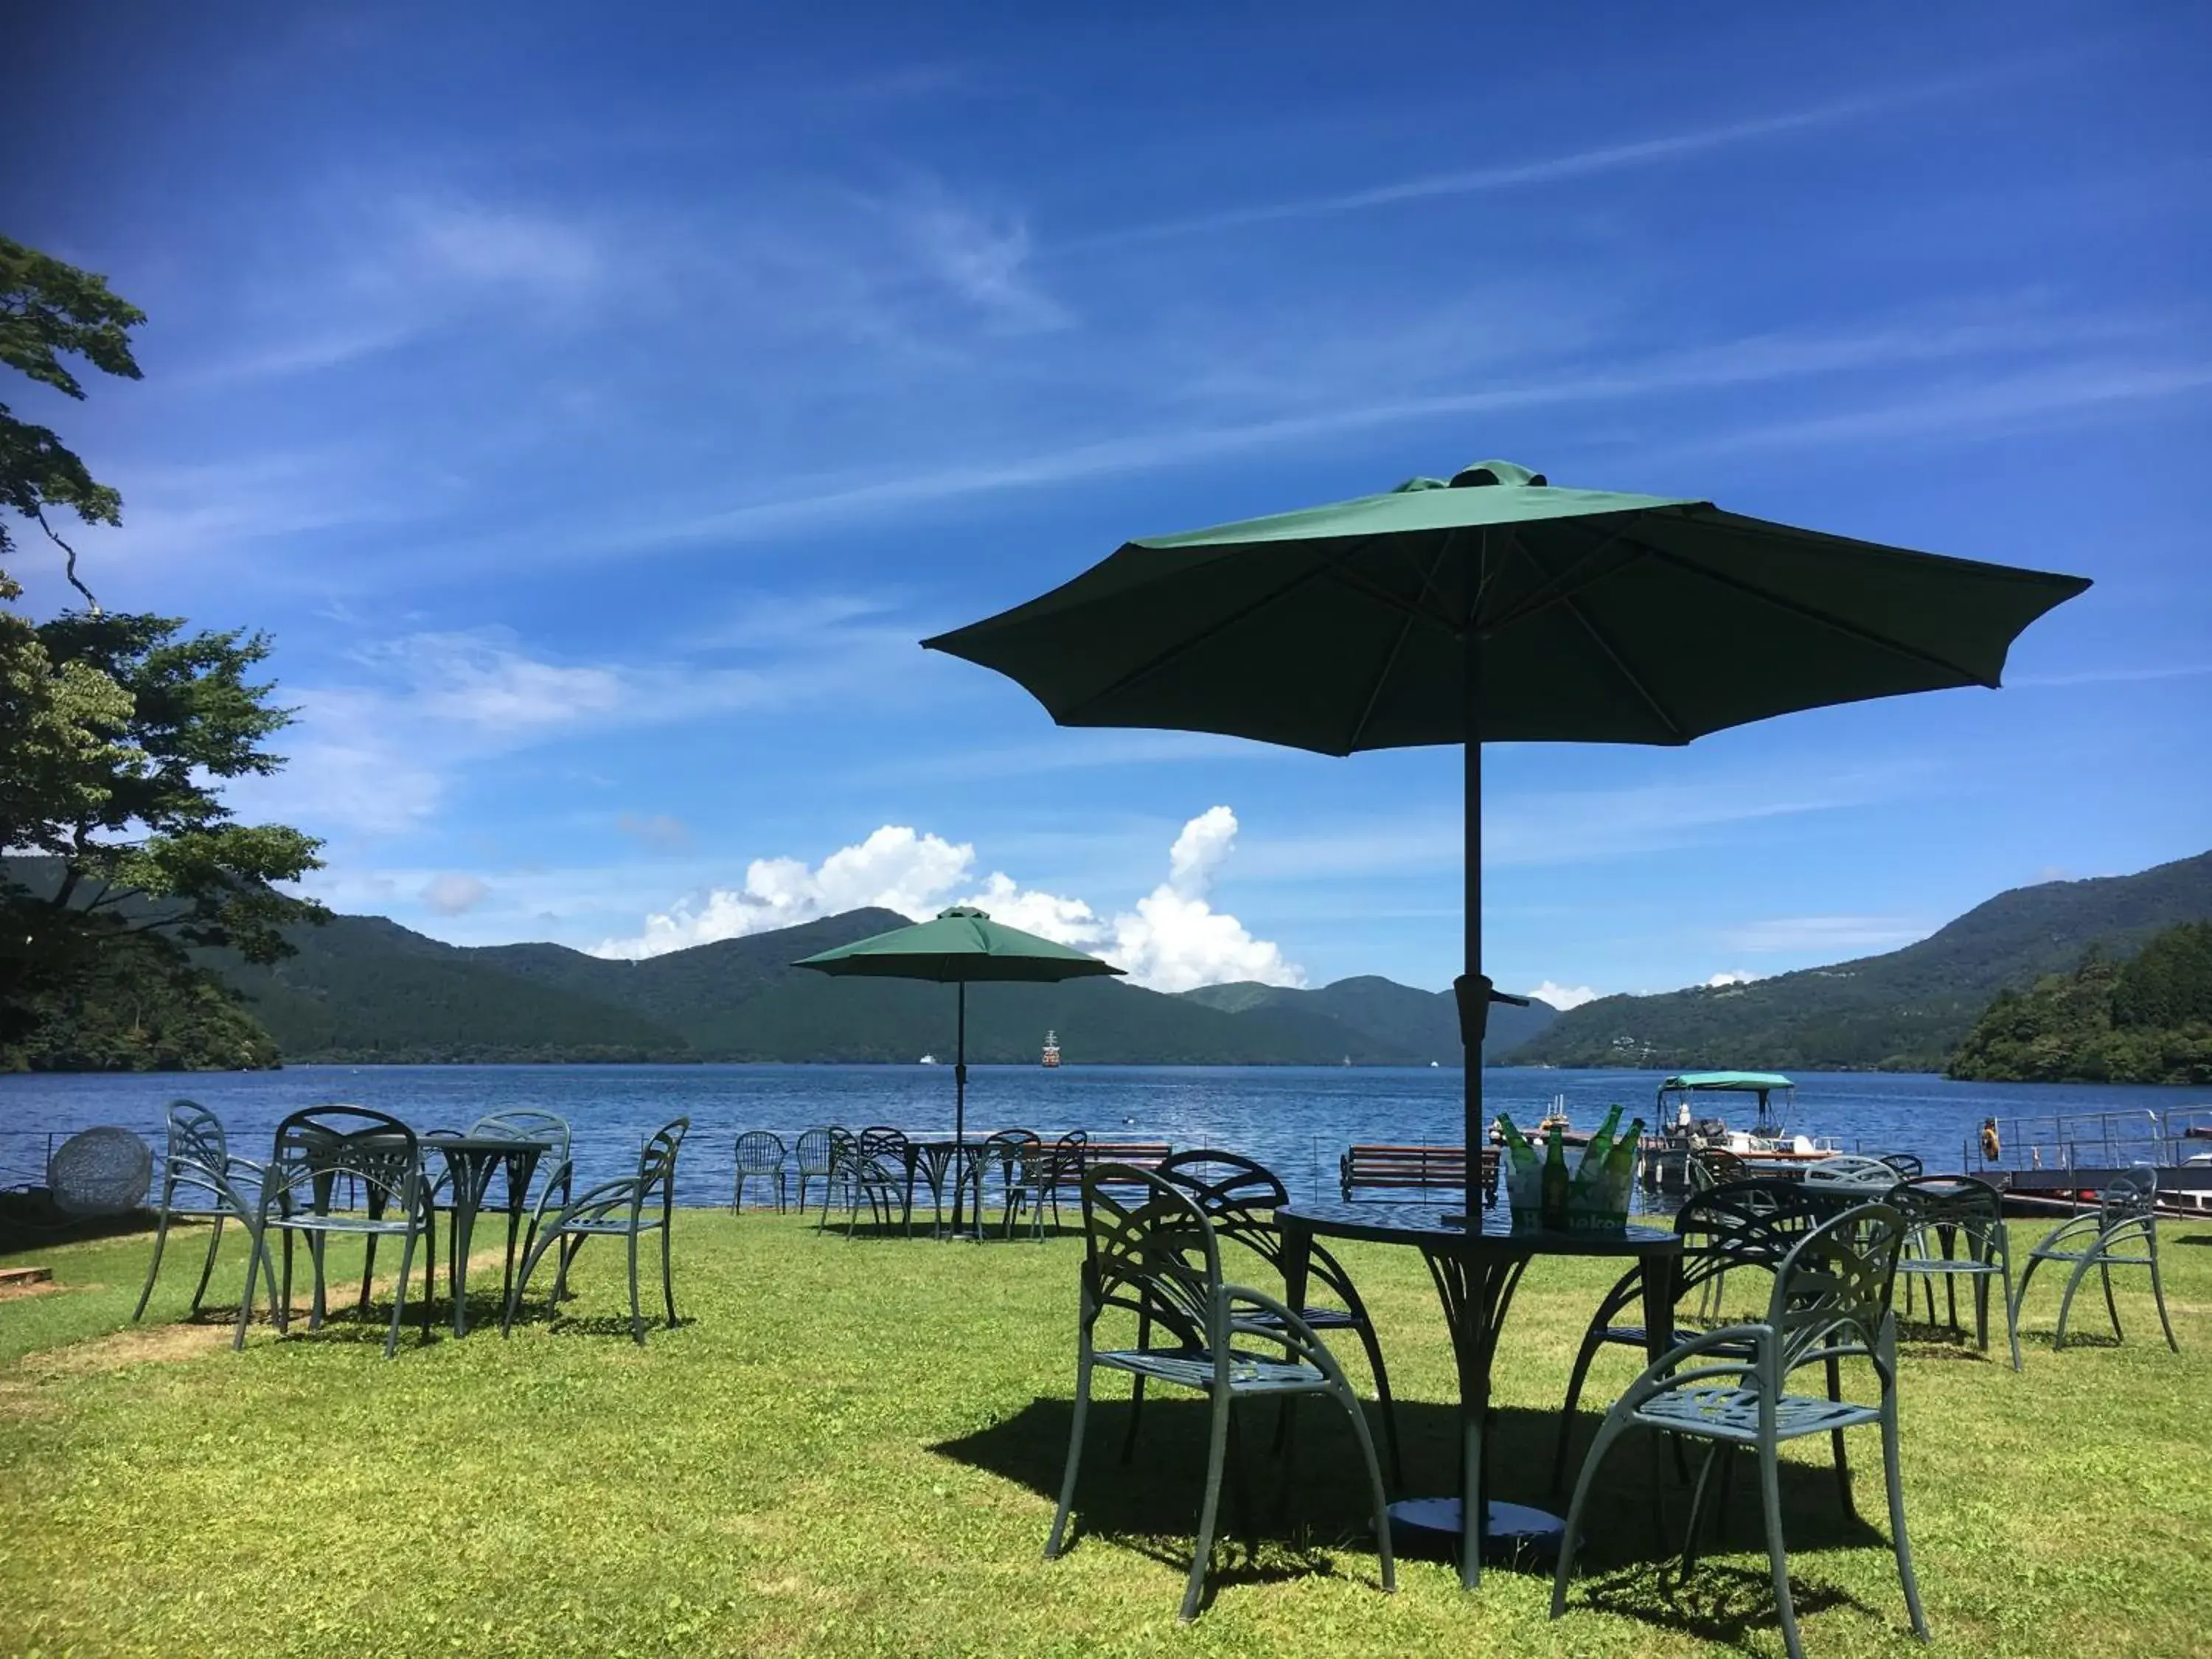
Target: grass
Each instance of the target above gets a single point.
(852, 1448)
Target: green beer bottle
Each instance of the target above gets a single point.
(1555, 1180)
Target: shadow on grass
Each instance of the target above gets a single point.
(1317, 1498)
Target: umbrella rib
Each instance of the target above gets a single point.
(1556, 588)
(1192, 642)
(1813, 613)
(1621, 666)
(1390, 661)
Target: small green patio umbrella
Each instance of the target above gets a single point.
(1495, 608)
(960, 947)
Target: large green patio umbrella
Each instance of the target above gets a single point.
(960, 947)
(1495, 608)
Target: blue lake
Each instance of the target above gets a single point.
(1296, 1119)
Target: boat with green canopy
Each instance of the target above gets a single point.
(1767, 1147)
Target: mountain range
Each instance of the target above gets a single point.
(364, 989)
(1905, 1010)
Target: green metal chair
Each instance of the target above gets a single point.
(1064, 1166)
(881, 1169)
(202, 1179)
(380, 1157)
(1019, 1156)
(614, 1209)
(1158, 1258)
(1955, 1227)
(2126, 1219)
(1730, 1385)
(843, 1150)
(811, 1156)
(1240, 1197)
(760, 1154)
(1750, 1225)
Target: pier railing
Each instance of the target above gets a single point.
(2094, 1140)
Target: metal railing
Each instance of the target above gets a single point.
(2094, 1140)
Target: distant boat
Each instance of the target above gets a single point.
(1051, 1049)
(927, 1059)
(1432, 1062)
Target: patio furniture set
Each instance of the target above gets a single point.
(350, 1172)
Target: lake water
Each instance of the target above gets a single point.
(1296, 1119)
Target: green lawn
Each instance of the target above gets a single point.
(849, 1447)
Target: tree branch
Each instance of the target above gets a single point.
(69, 558)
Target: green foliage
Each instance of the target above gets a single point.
(49, 312)
(850, 1448)
(2169, 983)
(117, 733)
(1906, 1009)
(138, 1007)
(2069, 1028)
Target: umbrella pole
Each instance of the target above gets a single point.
(960, 1069)
(1473, 988)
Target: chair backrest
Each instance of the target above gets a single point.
(759, 1153)
(1746, 1223)
(1070, 1154)
(1715, 1166)
(2132, 1196)
(1973, 1210)
(198, 1156)
(1905, 1164)
(525, 1124)
(316, 1146)
(196, 1136)
(814, 1150)
(881, 1152)
(656, 1164)
(1237, 1194)
(1018, 1153)
(1867, 1174)
(1148, 1248)
(1832, 1289)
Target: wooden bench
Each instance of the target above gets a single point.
(1066, 1172)
(1415, 1168)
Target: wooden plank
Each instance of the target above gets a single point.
(15, 1278)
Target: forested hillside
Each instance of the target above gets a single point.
(1908, 1008)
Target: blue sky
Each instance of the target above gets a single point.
(597, 406)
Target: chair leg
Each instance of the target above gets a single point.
(367, 1271)
(2012, 1323)
(2112, 1307)
(1715, 1452)
(1376, 1495)
(2066, 1301)
(1896, 1484)
(1608, 1433)
(399, 1298)
(1057, 1539)
(636, 1314)
(1209, 1509)
(1373, 1344)
(668, 1273)
(160, 1237)
(1137, 1389)
(1778, 1555)
(207, 1267)
(530, 1256)
(245, 1302)
(1592, 1340)
(1836, 1440)
(737, 1195)
(2158, 1295)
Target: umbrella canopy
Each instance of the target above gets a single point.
(1496, 608)
(960, 945)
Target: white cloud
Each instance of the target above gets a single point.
(1731, 976)
(450, 895)
(1564, 997)
(655, 828)
(1172, 939)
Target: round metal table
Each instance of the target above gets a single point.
(471, 1161)
(1476, 1269)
